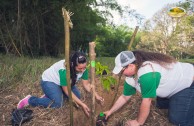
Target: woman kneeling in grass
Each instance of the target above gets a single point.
(54, 84)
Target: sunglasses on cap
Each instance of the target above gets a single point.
(81, 59)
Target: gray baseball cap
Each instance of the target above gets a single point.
(123, 59)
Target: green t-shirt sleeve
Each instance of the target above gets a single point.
(149, 83)
(85, 75)
(62, 77)
(128, 89)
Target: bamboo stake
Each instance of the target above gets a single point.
(117, 89)
(67, 24)
(92, 56)
(133, 37)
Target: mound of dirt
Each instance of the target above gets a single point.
(61, 117)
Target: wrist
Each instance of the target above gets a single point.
(110, 112)
(82, 104)
(139, 124)
(95, 94)
(90, 88)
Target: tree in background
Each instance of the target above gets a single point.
(169, 35)
(35, 27)
(112, 40)
(186, 30)
(31, 27)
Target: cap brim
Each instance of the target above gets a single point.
(117, 70)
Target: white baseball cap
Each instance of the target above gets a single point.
(123, 59)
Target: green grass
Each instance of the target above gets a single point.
(25, 70)
(16, 70)
(107, 61)
(188, 60)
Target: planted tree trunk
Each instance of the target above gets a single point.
(67, 45)
(92, 56)
(118, 81)
(117, 89)
(133, 37)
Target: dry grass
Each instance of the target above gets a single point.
(22, 77)
(60, 117)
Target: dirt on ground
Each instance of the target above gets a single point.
(61, 117)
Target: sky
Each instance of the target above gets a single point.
(147, 8)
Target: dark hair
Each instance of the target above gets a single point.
(159, 58)
(76, 58)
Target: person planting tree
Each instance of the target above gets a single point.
(54, 85)
(159, 76)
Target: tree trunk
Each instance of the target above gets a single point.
(18, 32)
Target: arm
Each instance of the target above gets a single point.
(89, 87)
(143, 113)
(144, 110)
(77, 100)
(118, 104)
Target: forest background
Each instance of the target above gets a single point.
(36, 28)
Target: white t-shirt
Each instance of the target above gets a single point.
(57, 74)
(154, 80)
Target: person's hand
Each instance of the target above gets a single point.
(107, 113)
(100, 99)
(86, 109)
(132, 123)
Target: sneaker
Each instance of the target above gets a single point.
(24, 102)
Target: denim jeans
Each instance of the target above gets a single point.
(54, 95)
(180, 107)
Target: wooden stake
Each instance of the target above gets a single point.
(119, 80)
(67, 24)
(133, 37)
(117, 89)
(92, 56)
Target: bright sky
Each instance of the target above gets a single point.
(147, 8)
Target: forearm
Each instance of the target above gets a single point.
(144, 110)
(119, 103)
(74, 97)
(87, 86)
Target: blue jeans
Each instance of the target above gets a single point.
(180, 107)
(54, 95)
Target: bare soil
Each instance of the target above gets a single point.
(61, 117)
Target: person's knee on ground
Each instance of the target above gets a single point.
(57, 104)
(176, 120)
(181, 109)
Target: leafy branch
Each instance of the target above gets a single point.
(106, 79)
